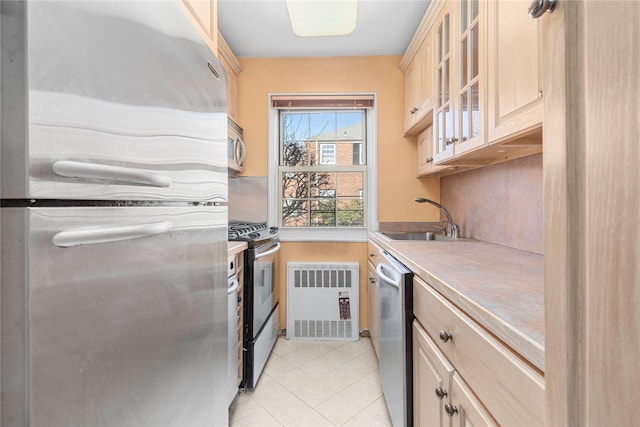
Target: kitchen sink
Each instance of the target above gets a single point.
(427, 236)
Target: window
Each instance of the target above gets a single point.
(327, 154)
(321, 173)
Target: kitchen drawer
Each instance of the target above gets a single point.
(373, 253)
(511, 389)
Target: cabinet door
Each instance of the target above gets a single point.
(464, 408)
(410, 93)
(424, 161)
(424, 84)
(232, 90)
(431, 378)
(201, 11)
(443, 111)
(470, 75)
(418, 89)
(374, 310)
(514, 70)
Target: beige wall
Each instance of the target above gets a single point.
(397, 184)
(320, 251)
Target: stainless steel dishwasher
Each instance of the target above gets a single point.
(395, 302)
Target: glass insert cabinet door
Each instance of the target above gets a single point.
(443, 117)
(470, 93)
(459, 110)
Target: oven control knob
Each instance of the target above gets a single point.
(254, 235)
(273, 230)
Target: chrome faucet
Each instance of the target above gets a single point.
(452, 229)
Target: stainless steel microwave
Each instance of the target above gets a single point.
(236, 148)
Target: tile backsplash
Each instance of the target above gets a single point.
(500, 204)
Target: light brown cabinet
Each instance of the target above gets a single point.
(431, 380)
(486, 83)
(460, 79)
(204, 14)
(439, 393)
(443, 111)
(374, 310)
(424, 159)
(591, 103)
(232, 71)
(491, 384)
(418, 89)
(514, 70)
(372, 287)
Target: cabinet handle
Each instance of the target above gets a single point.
(372, 255)
(451, 140)
(537, 8)
(441, 393)
(372, 280)
(450, 409)
(445, 336)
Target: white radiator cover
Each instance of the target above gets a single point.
(323, 301)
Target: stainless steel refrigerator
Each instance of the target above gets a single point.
(113, 217)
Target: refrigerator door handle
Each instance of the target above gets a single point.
(74, 169)
(107, 234)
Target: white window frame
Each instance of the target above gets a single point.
(329, 159)
(325, 234)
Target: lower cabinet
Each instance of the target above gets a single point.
(464, 374)
(431, 377)
(439, 394)
(374, 309)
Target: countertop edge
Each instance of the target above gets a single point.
(520, 342)
(234, 248)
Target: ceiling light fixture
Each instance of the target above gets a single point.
(313, 18)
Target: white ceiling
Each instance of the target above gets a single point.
(261, 28)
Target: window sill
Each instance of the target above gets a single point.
(324, 235)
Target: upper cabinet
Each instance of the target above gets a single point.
(515, 70)
(460, 79)
(232, 69)
(204, 14)
(470, 74)
(486, 84)
(418, 89)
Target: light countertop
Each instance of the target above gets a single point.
(236, 247)
(501, 288)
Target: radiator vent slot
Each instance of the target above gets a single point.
(323, 301)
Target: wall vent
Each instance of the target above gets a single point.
(323, 301)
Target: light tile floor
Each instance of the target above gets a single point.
(315, 384)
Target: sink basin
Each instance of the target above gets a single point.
(426, 236)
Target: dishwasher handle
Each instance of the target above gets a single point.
(395, 281)
(108, 234)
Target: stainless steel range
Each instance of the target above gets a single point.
(261, 311)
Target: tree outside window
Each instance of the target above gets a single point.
(321, 168)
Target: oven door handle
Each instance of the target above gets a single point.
(275, 249)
